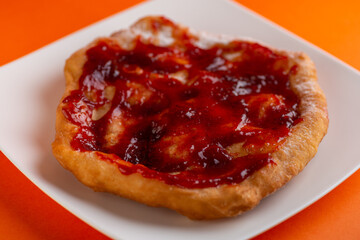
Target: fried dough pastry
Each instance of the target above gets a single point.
(203, 124)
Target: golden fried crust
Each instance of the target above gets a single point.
(204, 203)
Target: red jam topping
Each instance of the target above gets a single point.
(187, 116)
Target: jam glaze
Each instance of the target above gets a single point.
(185, 115)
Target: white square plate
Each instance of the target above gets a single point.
(30, 89)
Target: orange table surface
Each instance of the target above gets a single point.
(27, 213)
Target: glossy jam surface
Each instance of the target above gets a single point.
(187, 116)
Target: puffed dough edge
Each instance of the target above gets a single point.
(205, 203)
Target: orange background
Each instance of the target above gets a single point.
(27, 213)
